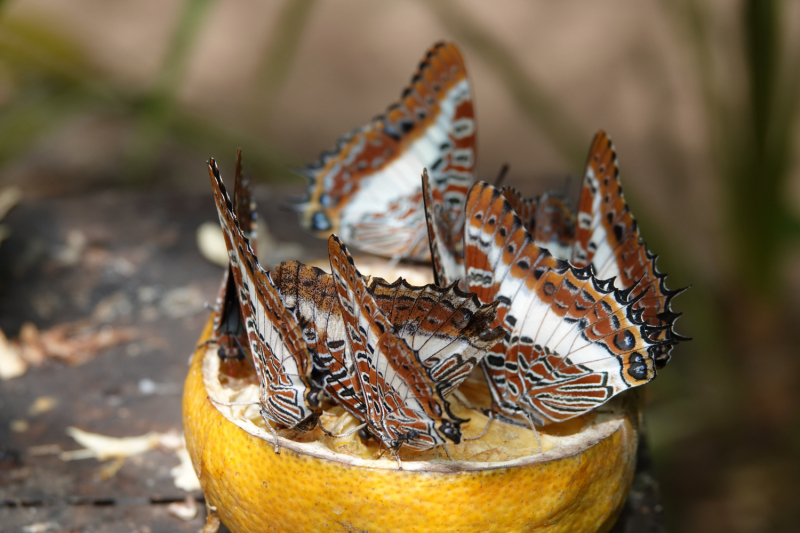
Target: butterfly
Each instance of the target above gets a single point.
(450, 330)
(367, 190)
(549, 218)
(602, 233)
(404, 406)
(572, 340)
(607, 237)
(229, 332)
(279, 352)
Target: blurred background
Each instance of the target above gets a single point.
(103, 100)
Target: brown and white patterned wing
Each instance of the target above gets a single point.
(311, 292)
(402, 403)
(367, 190)
(229, 331)
(446, 240)
(553, 225)
(572, 340)
(607, 237)
(525, 208)
(279, 352)
(449, 329)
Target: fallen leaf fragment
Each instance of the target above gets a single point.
(183, 475)
(11, 363)
(19, 426)
(9, 197)
(42, 404)
(212, 522)
(41, 527)
(77, 342)
(211, 243)
(185, 510)
(103, 447)
(96, 446)
(110, 468)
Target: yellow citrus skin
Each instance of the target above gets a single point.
(256, 490)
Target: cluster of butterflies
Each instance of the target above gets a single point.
(561, 310)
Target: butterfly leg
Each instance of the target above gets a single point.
(535, 433)
(485, 430)
(397, 458)
(446, 451)
(274, 436)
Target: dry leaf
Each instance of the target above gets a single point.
(212, 522)
(9, 197)
(183, 475)
(41, 527)
(211, 243)
(11, 363)
(103, 447)
(185, 510)
(42, 404)
(77, 342)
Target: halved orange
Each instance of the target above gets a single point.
(499, 482)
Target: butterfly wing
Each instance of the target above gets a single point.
(312, 294)
(572, 340)
(446, 241)
(553, 225)
(229, 331)
(367, 190)
(280, 354)
(450, 330)
(525, 208)
(403, 406)
(607, 237)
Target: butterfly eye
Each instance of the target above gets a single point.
(450, 431)
(320, 222)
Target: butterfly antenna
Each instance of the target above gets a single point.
(501, 176)
(244, 354)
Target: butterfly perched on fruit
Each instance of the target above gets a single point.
(450, 330)
(404, 405)
(367, 189)
(279, 352)
(605, 253)
(572, 340)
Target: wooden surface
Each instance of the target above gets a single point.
(137, 267)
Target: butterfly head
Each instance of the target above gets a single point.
(451, 430)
